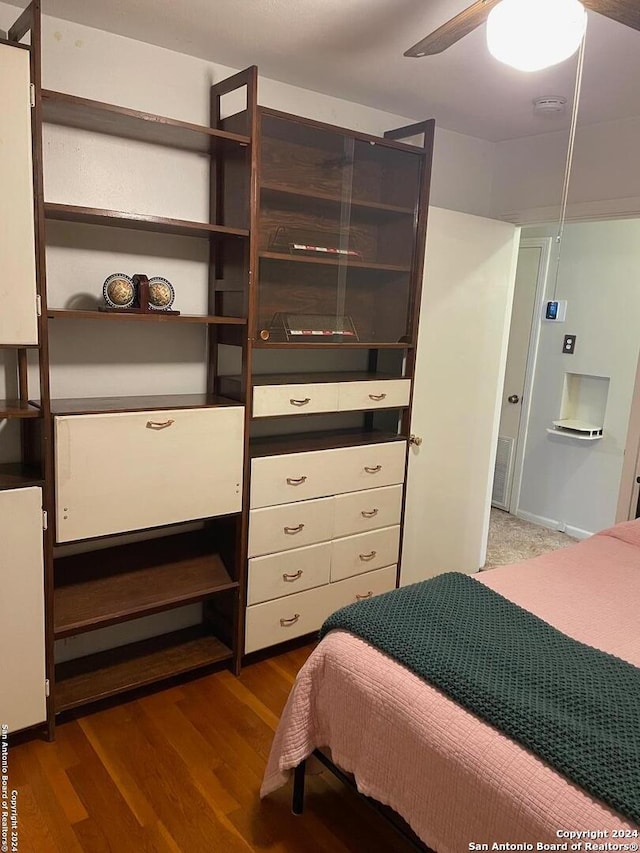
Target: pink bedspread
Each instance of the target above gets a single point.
(452, 777)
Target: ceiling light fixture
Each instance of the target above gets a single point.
(534, 34)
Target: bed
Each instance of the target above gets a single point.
(453, 778)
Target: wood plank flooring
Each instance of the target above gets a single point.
(180, 770)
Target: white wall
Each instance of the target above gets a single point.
(568, 482)
(528, 174)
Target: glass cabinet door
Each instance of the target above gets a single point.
(336, 236)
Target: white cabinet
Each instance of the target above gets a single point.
(355, 531)
(134, 470)
(22, 643)
(18, 313)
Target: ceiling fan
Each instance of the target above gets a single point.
(537, 20)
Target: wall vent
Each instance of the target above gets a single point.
(502, 474)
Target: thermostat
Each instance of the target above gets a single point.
(556, 311)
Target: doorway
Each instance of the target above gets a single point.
(531, 276)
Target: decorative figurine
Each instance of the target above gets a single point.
(118, 291)
(161, 293)
(138, 295)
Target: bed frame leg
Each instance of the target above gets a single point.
(297, 803)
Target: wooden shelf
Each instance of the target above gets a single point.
(231, 385)
(285, 190)
(95, 677)
(17, 409)
(138, 221)
(71, 111)
(15, 475)
(117, 584)
(344, 261)
(260, 344)
(298, 442)
(155, 317)
(99, 405)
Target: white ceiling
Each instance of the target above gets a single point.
(353, 49)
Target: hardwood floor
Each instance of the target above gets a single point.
(180, 770)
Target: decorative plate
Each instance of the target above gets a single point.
(161, 293)
(118, 291)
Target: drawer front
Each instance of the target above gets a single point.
(299, 476)
(358, 512)
(275, 400)
(281, 528)
(286, 618)
(291, 572)
(355, 555)
(133, 470)
(372, 394)
(362, 587)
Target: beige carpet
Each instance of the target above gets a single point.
(512, 540)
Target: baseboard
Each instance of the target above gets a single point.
(553, 524)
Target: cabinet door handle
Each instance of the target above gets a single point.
(296, 481)
(373, 470)
(300, 402)
(371, 514)
(286, 622)
(291, 531)
(377, 397)
(366, 557)
(293, 577)
(362, 597)
(159, 424)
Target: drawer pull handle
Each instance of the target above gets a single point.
(294, 577)
(371, 514)
(362, 597)
(377, 397)
(286, 622)
(159, 424)
(291, 531)
(300, 402)
(373, 470)
(296, 481)
(366, 557)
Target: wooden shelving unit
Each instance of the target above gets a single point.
(17, 409)
(18, 475)
(100, 676)
(138, 221)
(100, 405)
(309, 196)
(333, 262)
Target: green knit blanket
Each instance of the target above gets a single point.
(575, 707)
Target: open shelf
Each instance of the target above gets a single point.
(151, 576)
(99, 676)
(275, 445)
(99, 405)
(151, 317)
(232, 384)
(71, 111)
(17, 409)
(333, 262)
(16, 475)
(283, 190)
(138, 221)
(259, 344)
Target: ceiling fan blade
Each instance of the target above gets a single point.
(463, 24)
(624, 11)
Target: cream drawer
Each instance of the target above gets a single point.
(298, 476)
(358, 512)
(374, 394)
(274, 400)
(362, 587)
(354, 555)
(133, 470)
(287, 573)
(286, 618)
(280, 528)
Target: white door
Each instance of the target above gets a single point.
(22, 655)
(18, 317)
(462, 347)
(530, 274)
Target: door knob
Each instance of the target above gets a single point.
(514, 398)
(415, 440)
